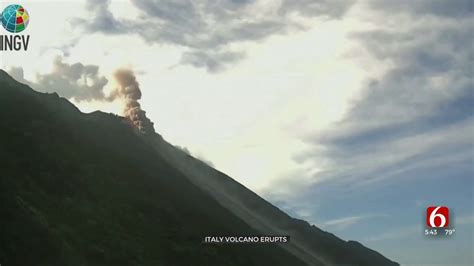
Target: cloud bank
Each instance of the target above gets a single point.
(208, 29)
(419, 113)
(406, 138)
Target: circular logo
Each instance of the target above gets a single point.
(15, 18)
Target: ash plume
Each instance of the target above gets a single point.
(81, 82)
(76, 81)
(129, 90)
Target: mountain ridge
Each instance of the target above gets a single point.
(269, 218)
(55, 175)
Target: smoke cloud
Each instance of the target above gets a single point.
(83, 83)
(77, 81)
(197, 156)
(129, 90)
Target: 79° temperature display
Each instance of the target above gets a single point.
(438, 222)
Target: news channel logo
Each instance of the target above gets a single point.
(438, 222)
(15, 18)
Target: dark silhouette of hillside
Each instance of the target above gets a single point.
(88, 189)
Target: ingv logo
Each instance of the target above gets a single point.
(15, 19)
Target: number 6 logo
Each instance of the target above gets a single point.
(437, 216)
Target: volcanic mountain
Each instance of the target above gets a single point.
(89, 189)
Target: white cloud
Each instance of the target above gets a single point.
(346, 222)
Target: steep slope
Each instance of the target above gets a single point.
(83, 189)
(86, 189)
(309, 243)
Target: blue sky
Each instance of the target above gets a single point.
(390, 216)
(353, 115)
(405, 144)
